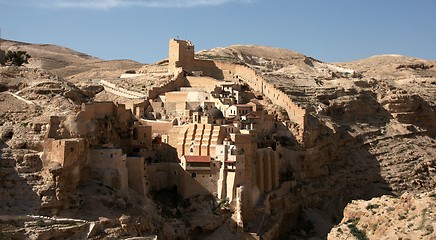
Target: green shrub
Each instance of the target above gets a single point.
(17, 58)
(359, 234)
(372, 206)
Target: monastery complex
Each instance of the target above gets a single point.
(205, 132)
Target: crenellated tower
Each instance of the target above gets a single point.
(181, 55)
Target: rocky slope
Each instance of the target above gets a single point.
(387, 102)
(30, 95)
(371, 129)
(407, 217)
(371, 132)
(68, 63)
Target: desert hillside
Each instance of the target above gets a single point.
(370, 134)
(68, 63)
(407, 217)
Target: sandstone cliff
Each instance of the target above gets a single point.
(371, 132)
(407, 217)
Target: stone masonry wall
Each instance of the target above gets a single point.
(295, 112)
(179, 81)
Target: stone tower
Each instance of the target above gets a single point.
(181, 55)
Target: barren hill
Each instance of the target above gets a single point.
(68, 63)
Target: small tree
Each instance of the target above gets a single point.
(17, 58)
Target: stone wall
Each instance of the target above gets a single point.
(197, 139)
(173, 85)
(109, 166)
(209, 68)
(172, 176)
(66, 152)
(244, 208)
(295, 112)
(96, 110)
(267, 169)
(162, 127)
(205, 83)
(142, 136)
(138, 178)
(119, 91)
(103, 123)
(70, 154)
(176, 103)
(163, 175)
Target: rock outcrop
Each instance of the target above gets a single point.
(407, 217)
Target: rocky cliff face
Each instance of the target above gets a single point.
(371, 126)
(371, 132)
(407, 217)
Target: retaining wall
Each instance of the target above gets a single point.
(172, 85)
(112, 88)
(295, 112)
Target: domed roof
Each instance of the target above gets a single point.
(215, 113)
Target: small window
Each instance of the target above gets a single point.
(71, 149)
(112, 156)
(193, 175)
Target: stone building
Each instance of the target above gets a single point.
(138, 175)
(232, 171)
(238, 110)
(238, 73)
(95, 145)
(203, 169)
(108, 165)
(197, 139)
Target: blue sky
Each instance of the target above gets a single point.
(332, 31)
